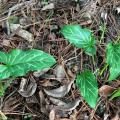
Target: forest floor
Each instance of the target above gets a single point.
(42, 20)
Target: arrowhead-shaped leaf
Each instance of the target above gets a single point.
(88, 87)
(18, 62)
(113, 59)
(81, 38)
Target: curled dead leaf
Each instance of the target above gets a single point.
(42, 102)
(52, 115)
(69, 106)
(106, 90)
(20, 32)
(27, 87)
(57, 101)
(40, 72)
(59, 72)
(59, 92)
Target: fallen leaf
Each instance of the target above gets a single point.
(49, 83)
(6, 43)
(59, 92)
(69, 106)
(106, 90)
(106, 116)
(40, 72)
(59, 72)
(52, 115)
(48, 7)
(65, 109)
(11, 103)
(57, 101)
(42, 102)
(118, 10)
(17, 29)
(31, 99)
(27, 87)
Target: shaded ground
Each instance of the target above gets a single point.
(45, 26)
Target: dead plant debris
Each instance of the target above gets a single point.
(51, 94)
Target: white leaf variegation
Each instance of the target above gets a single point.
(88, 87)
(18, 62)
(113, 60)
(81, 38)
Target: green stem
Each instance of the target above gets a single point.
(117, 39)
(103, 32)
(104, 68)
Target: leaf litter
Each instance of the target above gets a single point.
(41, 15)
(61, 91)
(27, 87)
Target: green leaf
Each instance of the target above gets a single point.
(88, 86)
(115, 94)
(81, 38)
(18, 62)
(113, 60)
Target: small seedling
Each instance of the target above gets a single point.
(81, 38)
(86, 81)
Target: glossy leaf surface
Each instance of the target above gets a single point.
(81, 38)
(18, 63)
(88, 87)
(113, 60)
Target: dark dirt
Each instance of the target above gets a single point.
(45, 27)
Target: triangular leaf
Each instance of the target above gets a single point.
(18, 62)
(81, 38)
(88, 86)
(113, 59)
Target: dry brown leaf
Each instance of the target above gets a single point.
(6, 43)
(52, 115)
(49, 83)
(59, 92)
(69, 106)
(57, 101)
(40, 72)
(42, 102)
(27, 87)
(31, 99)
(22, 33)
(59, 72)
(11, 104)
(106, 90)
(106, 116)
(48, 7)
